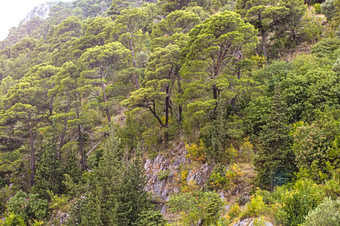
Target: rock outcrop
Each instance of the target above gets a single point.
(41, 11)
(165, 172)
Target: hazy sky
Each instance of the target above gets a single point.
(13, 11)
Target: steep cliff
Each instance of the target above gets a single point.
(42, 11)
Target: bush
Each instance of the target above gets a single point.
(311, 149)
(297, 201)
(317, 8)
(312, 27)
(27, 207)
(256, 207)
(221, 177)
(151, 218)
(327, 213)
(234, 211)
(327, 47)
(328, 8)
(336, 66)
(195, 152)
(196, 206)
(162, 175)
(332, 186)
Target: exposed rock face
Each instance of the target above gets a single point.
(41, 11)
(170, 166)
(250, 222)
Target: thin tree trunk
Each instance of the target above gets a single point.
(81, 149)
(107, 110)
(62, 136)
(264, 49)
(32, 150)
(215, 95)
(166, 125)
(132, 49)
(50, 109)
(180, 91)
(81, 145)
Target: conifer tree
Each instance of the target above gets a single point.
(133, 198)
(48, 173)
(275, 159)
(101, 199)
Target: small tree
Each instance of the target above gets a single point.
(275, 160)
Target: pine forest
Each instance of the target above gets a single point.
(172, 112)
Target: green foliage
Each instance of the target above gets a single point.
(311, 149)
(327, 213)
(163, 174)
(328, 9)
(256, 207)
(13, 220)
(115, 193)
(317, 8)
(27, 207)
(296, 202)
(151, 218)
(312, 27)
(275, 160)
(58, 203)
(189, 72)
(234, 211)
(224, 178)
(327, 48)
(196, 206)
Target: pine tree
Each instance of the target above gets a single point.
(275, 160)
(48, 171)
(133, 198)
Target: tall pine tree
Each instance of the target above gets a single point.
(275, 160)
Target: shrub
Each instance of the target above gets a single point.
(234, 211)
(151, 218)
(17, 204)
(13, 220)
(317, 8)
(332, 186)
(27, 207)
(246, 152)
(328, 8)
(311, 148)
(195, 152)
(297, 201)
(327, 47)
(163, 174)
(256, 207)
(312, 27)
(58, 202)
(196, 206)
(184, 175)
(327, 213)
(336, 66)
(221, 177)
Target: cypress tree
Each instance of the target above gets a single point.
(133, 198)
(275, 159)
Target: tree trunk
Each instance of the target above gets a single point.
(107, 110)
(81, 145)
(264, 49)
(50, 109)
(81, 149)
(215, 94)
(180, 91)
(134, 64)
(166, 125)
(32, 150)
